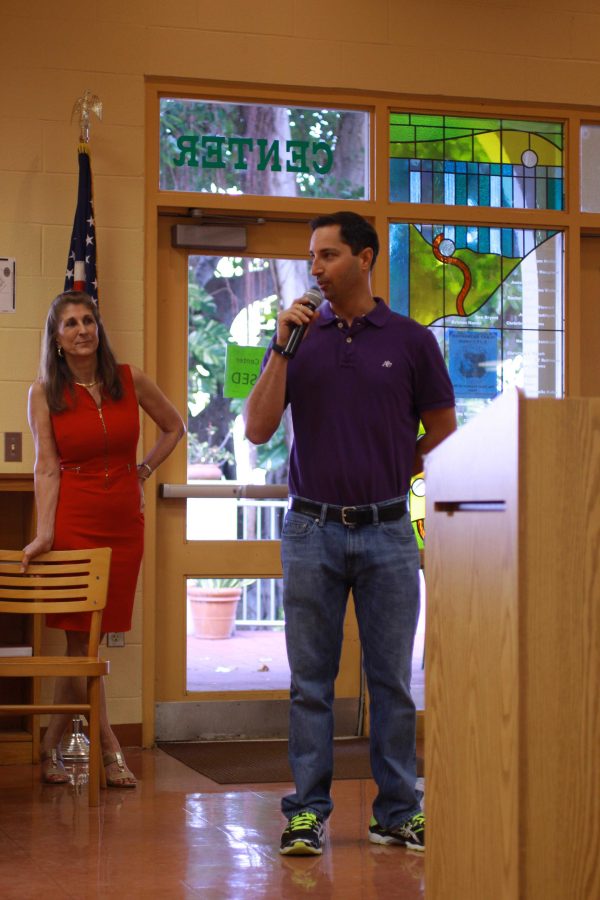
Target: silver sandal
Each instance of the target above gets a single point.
(125, 778)
(55, 773)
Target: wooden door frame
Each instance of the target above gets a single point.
(226, 558)
(378, 209)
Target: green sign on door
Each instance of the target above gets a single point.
(242, 368)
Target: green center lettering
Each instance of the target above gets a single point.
(188, 144)
(214, 154)
(265, 157)
(238, 152)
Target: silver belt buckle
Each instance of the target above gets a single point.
(345, 511)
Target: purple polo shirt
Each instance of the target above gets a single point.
(356, 393)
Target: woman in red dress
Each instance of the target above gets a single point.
(84, 417)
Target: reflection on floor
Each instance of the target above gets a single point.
(179, 835)
(256, 660)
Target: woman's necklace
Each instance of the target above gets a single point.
(87, 384)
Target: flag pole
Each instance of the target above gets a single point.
(82, 260)
(81, 276)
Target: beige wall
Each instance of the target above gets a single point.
(547, 52)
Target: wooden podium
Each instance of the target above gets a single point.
(512, 710)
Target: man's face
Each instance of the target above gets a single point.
(339, 274)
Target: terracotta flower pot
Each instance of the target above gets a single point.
(213, 611)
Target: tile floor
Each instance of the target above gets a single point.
(180, 835)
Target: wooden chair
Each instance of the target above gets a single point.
(57, 582)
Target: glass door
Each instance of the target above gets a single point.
(234, 629)
(220, 615)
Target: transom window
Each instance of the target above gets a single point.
(263, 149)
(465, 161)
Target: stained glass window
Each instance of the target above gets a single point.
(494, 299)
(466, 161)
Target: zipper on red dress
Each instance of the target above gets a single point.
(99, 408)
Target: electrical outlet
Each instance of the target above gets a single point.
(13, 446)
(115, 639)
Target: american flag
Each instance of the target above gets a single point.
(81, 264)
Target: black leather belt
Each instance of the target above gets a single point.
(349, 515)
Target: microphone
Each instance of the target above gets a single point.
(312, 298)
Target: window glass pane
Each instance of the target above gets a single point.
(493, 297)
(235, 639)
(466, 161)
(233, 301)
(243, 148)
(590, 168)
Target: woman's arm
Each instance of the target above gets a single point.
(46, 473)
(163, 414)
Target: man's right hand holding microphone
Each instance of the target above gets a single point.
(293, 322)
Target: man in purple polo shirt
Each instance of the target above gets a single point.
(357, 387)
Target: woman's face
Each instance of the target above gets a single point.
(77, 332)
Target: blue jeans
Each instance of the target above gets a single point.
(322, 561)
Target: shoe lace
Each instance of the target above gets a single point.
(417, 822)
(303, 820)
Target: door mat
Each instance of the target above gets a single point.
(264, 762)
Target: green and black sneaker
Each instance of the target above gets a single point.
(303, 835)
(410, 834)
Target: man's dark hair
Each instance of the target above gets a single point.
(354, 231)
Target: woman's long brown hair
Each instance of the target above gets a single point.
(55, 374)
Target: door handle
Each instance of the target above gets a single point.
(225, 489)
(456, 506)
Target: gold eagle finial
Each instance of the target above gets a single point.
(82, 107)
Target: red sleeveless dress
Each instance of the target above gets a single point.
(99, 497)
